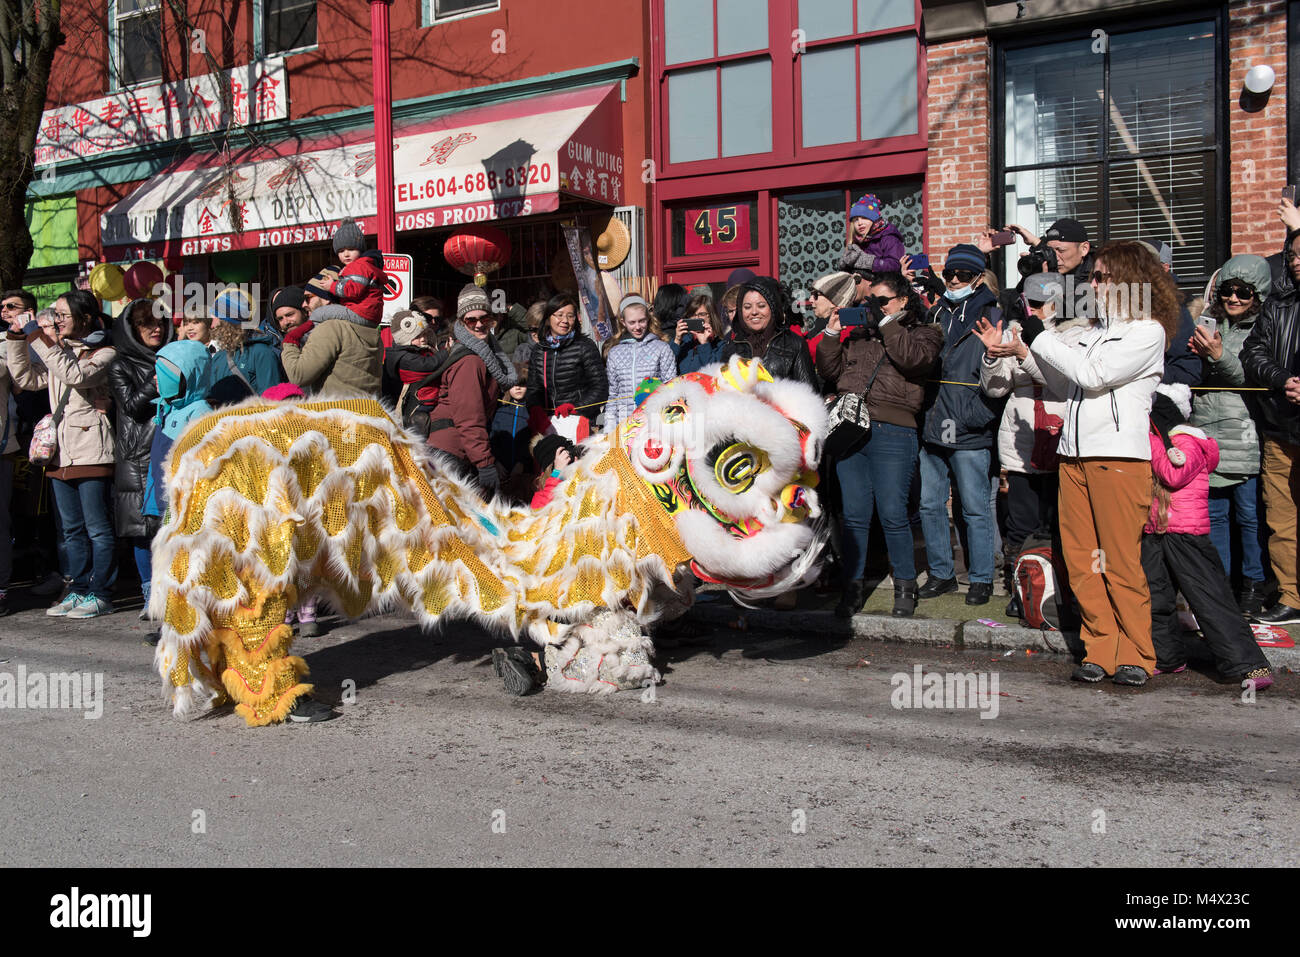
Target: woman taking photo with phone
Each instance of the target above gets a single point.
(1224, 415)
(887, 359)
(75, 355)
(698, 336)
(1111, 374)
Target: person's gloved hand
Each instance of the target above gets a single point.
(565, 409)
(489, 477)
(299, 332)
(538, 420)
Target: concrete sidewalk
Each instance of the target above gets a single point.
(946, 621)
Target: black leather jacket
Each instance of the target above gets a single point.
(788, 357)
(131, 379)
(1271, 355)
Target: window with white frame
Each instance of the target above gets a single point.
(288, 25)
(136, 41)
(435, 10)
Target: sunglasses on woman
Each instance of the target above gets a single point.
(1236, 290)
(883, 301)
(961, 275)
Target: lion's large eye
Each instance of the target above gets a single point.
(737, 466)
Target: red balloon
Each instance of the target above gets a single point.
(141, 278)
(477, 250)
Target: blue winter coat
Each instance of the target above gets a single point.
(692, 356)
(630, 363)
(962, 416)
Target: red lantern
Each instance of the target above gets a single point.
(476, 251)
(141, 278)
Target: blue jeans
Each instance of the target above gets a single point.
(877, 477)
(143, 563)
(1246, 499)
(86, 513)
(969, 468)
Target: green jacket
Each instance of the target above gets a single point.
(338, 356)
(1226, 416)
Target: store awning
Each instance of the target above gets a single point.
(493, 162)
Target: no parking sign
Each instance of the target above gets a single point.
(397, 294)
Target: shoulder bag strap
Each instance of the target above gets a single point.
(230, 361)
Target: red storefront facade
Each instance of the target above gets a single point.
(455, 63)
(775, 116)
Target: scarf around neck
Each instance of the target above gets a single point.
(555, 341)
(498, 366)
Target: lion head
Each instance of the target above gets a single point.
(731, 455)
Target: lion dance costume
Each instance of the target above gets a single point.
(269, 504)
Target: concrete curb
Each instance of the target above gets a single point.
(917, 631)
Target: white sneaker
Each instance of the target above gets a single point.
(70, 601)
(90, 607)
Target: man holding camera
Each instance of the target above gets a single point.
(957, 441)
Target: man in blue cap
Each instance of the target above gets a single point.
(957, 441)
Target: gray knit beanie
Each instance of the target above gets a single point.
(349, 236)
(470, 299)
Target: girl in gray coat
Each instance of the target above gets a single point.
(1242, 285)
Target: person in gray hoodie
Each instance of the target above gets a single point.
(1228, 417)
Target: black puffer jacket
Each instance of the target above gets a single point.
(574, 373)
(131, 379)
(1271, 355)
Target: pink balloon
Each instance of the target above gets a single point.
(141, 278)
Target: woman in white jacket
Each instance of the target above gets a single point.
(1110, 374)
(1034, 413)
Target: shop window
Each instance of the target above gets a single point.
(435, 10)
(857, 89)
(136, 42)
(1120, 136)
(724, 108)
(288, 25)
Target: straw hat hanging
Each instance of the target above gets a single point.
(611, 243)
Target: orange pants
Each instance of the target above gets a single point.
(1103, 505)
(1281, 478)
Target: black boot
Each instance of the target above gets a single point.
(1253, 596)
(1014, 608)
(851, 600)
(905, 595)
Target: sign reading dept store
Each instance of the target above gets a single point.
(153, 114)
(514, 162)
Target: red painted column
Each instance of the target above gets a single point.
(383, 124)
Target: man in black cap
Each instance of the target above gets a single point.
(1068, 238)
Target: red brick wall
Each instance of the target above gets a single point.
(958, 166)
(1257, 141)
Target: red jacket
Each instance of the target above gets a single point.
(543, 496)
(360, 286)
(1189, 484)
(467, 396)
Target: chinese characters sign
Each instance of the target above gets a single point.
(153, 114)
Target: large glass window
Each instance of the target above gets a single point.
(724, 108)
(856, 89)
(1120, 133)
(289, 25)
(137, 47)
(435, 10)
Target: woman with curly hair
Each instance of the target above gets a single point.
(1110, 375)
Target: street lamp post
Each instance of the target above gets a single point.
(383, 124)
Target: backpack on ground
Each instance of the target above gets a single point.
(1039, 575)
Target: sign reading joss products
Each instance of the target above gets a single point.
(142, 115)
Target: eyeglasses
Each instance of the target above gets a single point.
(961, 275)
(1236, 290)
(479, 320)
(1098, 276)
(883, 301)
(12, 306)
(63, 315)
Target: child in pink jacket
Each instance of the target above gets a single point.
(1177, 554)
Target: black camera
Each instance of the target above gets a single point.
(1032, 261)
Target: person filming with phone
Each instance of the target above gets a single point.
(884, 352)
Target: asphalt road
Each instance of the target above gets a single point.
(757, 749)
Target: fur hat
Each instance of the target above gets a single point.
(322, 284)
(471, 299)
(407, 324)
(349, 236)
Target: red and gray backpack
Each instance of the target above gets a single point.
(1039, 577)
